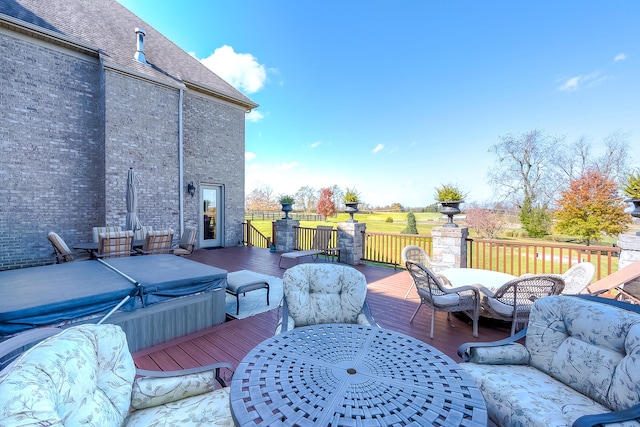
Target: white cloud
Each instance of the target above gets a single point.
(620, 57)
(316, 144)
(248, 156)
(378, 148)
(580, 82)
(241, 70)
(288, 165)
(254, 116)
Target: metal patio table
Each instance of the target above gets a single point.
(346, 374)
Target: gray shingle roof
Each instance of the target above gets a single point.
(110, 27)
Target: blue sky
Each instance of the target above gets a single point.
(397, 97)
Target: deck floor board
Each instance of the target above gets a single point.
(232, 340)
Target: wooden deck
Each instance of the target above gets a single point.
(232, 340)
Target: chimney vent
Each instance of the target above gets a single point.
(139, 56)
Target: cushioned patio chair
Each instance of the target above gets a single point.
(416, 254)
(85, 375)
(141, 233)
(98, 230)
(443, 298)
(323, 293)
(62, 252)
(187, 242)
(319, 246)
(157, 242)
(513, 300)
(578, 277)
(115, 244)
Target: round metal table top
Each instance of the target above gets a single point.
(351, 375)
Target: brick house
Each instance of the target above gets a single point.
(83, 98)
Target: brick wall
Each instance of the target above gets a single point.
(142, 132)
(70, 132)
(51, 143)
(214, 146)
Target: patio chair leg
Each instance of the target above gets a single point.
(413, 285)
(415, 312)
(433, 318)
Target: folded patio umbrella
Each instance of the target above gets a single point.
(132, 222)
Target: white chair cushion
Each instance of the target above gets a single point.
(324, 293)
(209, 409)
(81, 376)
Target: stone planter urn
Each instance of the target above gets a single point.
(636, 207)
(450, 209)
(286, 208)
(351, 208)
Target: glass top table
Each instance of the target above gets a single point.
(344, 374)
(476, 276)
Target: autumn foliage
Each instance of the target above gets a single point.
(325, 206)
(591, 208)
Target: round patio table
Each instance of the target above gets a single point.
(345, 374)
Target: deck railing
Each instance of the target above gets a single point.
(251, 236)
(518, 258)
(514, 258)
(386, 248)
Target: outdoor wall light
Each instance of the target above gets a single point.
(191, 189)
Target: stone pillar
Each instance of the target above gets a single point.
(449, 247)
(350, 236)
(286, 234)
(629, 245)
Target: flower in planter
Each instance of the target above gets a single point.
(449, 193)
(286, 199)
(351, 196)
(631, 188)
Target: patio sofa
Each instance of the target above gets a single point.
(581, 358)
(84, 375)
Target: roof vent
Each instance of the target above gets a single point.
(139, 56)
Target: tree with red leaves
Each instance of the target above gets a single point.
(591, 208)
(325, 206)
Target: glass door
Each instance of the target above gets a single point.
(212, 218)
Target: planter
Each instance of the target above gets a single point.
(351, 208)
(636, 207)
(450, 209)
(286, 208)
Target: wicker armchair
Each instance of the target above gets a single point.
(442, 298)
(416, 254)
(513, 300)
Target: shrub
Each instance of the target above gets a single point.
(389, 219)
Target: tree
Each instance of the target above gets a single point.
(524, 174)
(306, 198)
(535, 219)
(261, 199)
(326, 207)
(591, 208)
(486, 222)
(411, 227)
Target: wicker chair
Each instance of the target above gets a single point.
(115, 244)
(157, 242)
(416, 254)
(513, 300)
(442, 298)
